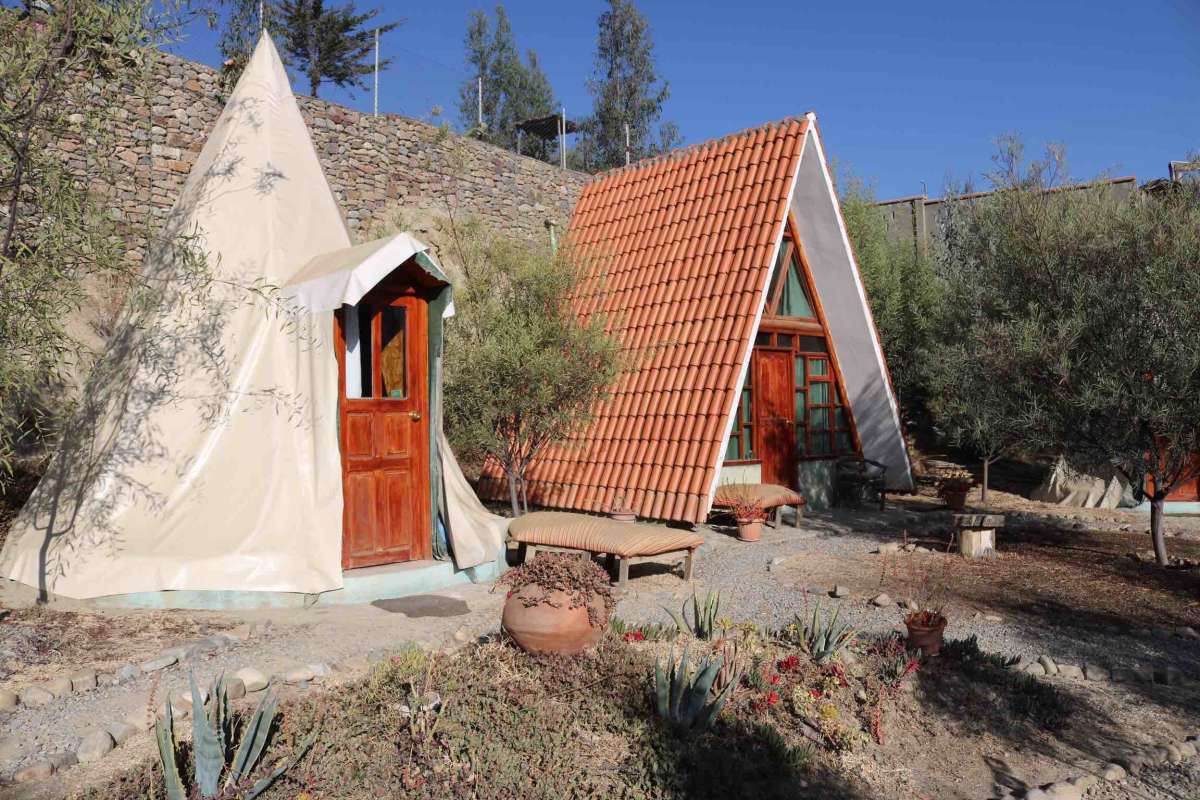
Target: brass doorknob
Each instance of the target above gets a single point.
(414, 415)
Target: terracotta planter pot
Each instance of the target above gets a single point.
(926, 638)
(543, 628)
(749, 530)
(955, 498)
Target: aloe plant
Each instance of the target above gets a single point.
(681, 696)
(212, 755)
(704, 615)
(822, 637)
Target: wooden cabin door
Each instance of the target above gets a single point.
(775, 415)
(384, 429)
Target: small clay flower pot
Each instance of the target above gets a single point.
(926, 638)
(955, 498)
(749, 530)
(553, 626)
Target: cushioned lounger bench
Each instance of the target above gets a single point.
(771, 496)
(627, 541)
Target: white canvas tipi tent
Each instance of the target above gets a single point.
(204, 455)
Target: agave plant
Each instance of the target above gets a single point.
(822, 637)
(212, 751)
(704, 615)
(681, 696)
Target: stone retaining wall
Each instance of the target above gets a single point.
(374, 164)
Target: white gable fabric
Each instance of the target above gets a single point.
(205, 454)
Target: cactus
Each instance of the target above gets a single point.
(212, 729)
(681, 696)
(704, 615)
(822, 637)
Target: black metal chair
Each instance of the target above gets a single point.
(859, 480)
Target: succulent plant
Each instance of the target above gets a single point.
(681, 696)
(822, 637)
(212, 754)
(705, 616)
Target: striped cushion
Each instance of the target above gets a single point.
(598, 534)
(769, 495)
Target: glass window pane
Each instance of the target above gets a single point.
(818, 418)
(356, 329)
(393, 352)
(800, 370)
(813, 344)
(839, 419)
(820, 443)
(745, 405)
(784, 339)
(818, 366)
(763, 339)
(818, 393)
(800, 405)
(731, 447)
(747, 442)
(843, 441)
(795, 302)
(801, 445)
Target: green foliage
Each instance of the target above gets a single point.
(59, 242)
(821, 636)
(240, 33)
(626, 91)
(905, 296)
(705, 615)
(1085, 297)
(512, 91)
(682, 697)
(523, 370)
(327, 43)
(212, 754)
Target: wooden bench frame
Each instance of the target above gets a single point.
(530, 551)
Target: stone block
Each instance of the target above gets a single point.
(162, 662)
(95, 746)
(38, 771)
(121, 731)
(1113, 773)
(59, 687)
(83, 680)
(9, 700)
(253, 679)
(62, 759)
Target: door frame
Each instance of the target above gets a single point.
(388, 292)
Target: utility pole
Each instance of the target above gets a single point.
(262, 21)
(562, 138)
(627, 144)
(377, 72)
(479, 101)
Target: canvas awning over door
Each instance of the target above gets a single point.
(343, 277)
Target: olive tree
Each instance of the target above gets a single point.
(523, 370)
(1092, 297)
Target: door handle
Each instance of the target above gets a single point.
(414, 415)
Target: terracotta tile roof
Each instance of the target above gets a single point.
(685, 244)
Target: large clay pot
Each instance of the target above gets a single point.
(543, 628)
(749, 530)
(926, 638)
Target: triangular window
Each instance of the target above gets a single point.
(789, 295)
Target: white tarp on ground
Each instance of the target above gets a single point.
(204, 455)
(1065, 486)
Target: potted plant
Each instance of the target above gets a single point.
(620, 511)
(556, 603)
(750, 515)
(953, 486)
(925, 629)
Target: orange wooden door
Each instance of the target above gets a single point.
(775, 415)
(384, 430)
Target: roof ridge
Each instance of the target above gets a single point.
(687, 150)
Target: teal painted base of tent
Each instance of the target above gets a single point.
(1171, 507)
(358, 586)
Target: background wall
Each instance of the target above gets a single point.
(374, 164)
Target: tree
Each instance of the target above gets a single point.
(626, 91)
(511, 91)
(56, 232)
(1094, 297)
(330, 43)
(905, 296)
(240, 33)
(523, 370)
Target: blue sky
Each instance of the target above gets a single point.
(904, 92)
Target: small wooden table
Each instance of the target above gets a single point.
(977, 533)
